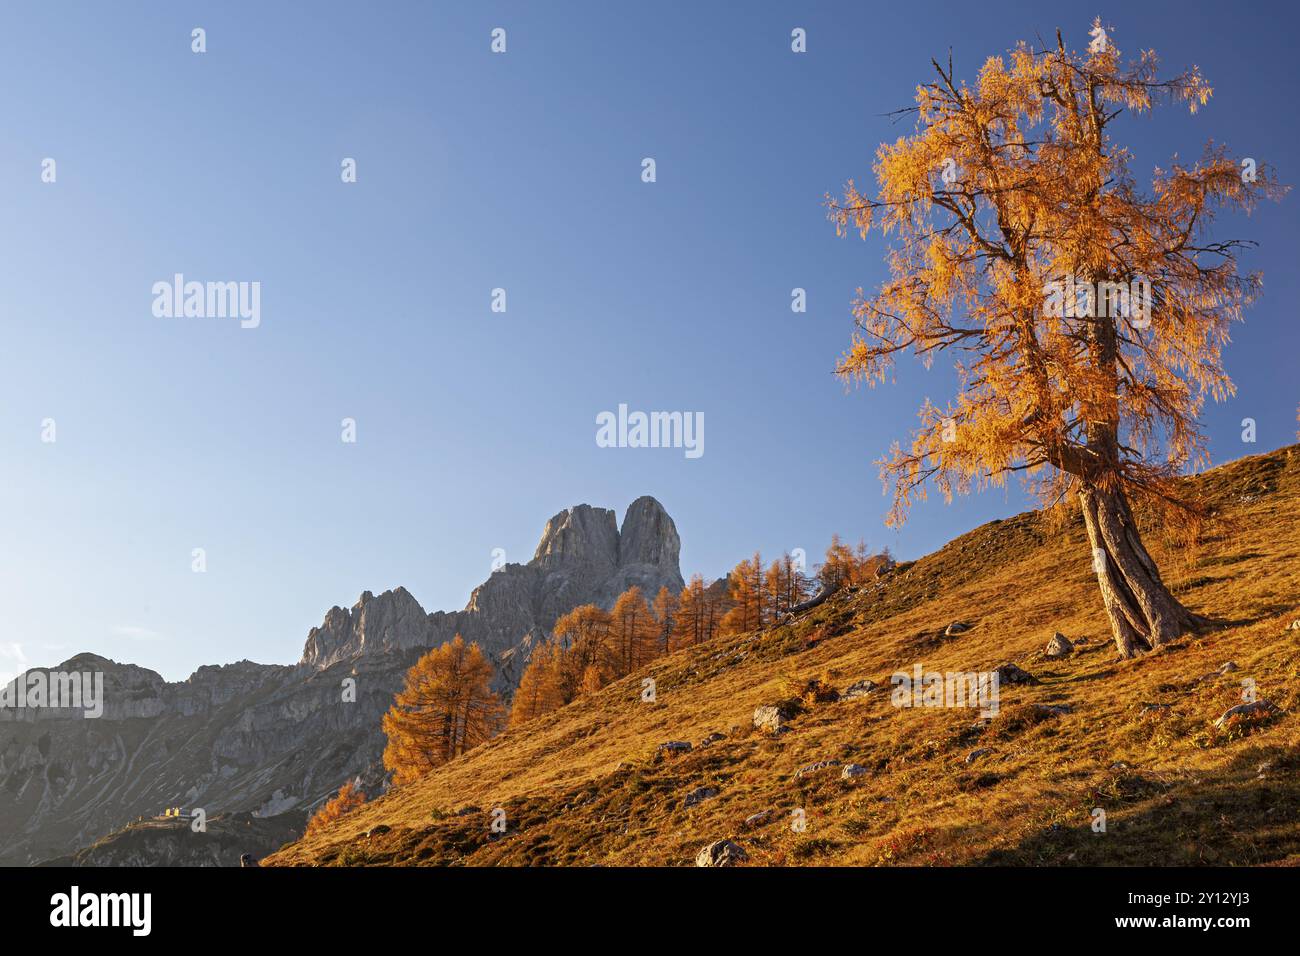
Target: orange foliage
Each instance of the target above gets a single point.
(446, 708)
(348, 799)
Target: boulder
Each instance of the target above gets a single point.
(857, 689)
(955, 628)
(699, 795)
(1058, 646)
(812, 768)
(1011, 674)
(769, 719)
(977, 753)
(852, 770)
(758, 819)
(712, 739)
(1254, 709)
(673, 748)
(1227, 668)
(721, 853)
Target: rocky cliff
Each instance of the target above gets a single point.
(266, 739)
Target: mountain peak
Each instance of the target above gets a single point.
(392, 621)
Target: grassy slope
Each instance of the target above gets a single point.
(583, 786)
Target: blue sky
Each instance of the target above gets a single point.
(478, 171)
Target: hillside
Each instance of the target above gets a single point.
(587, 785)
(173, 842)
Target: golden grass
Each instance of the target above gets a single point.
(586, 786)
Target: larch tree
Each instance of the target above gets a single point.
(446, 707)
(1086, 315)
(539, 686)
(746, 590)
(665, 608)
(583, 639)
(698, 614)
(840, 567)
(633, 632)
(785, 585)
(349, 798)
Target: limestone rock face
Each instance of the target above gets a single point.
(583, 558)
(392, 621)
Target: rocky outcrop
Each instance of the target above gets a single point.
(375, 625)
(1058, 646)
(583, 557)
(721, 853)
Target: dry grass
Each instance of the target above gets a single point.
(586, 786)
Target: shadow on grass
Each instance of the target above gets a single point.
(1230, 816)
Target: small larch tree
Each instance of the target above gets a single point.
(344, 802)
(1086, 315)
(446, 707)
(665, 608)
(746, 595)
(539, 686)
(633, 632)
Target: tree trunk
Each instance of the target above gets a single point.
(1143, 614)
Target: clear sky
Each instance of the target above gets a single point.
(477, 171)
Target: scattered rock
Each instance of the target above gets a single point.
(1058, 646)
(1256, 708)
(1227, 668)
(699, 795)
(811, 768)
(721, 853)
(1011, 674)
(770, 719)
(758, 819)
(955, 628)
(1150, 707)
(377, 830)
(1052, 710)
(857, 689)
(852, 770)
(674, 747)
(976, 754)
(712, 739)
